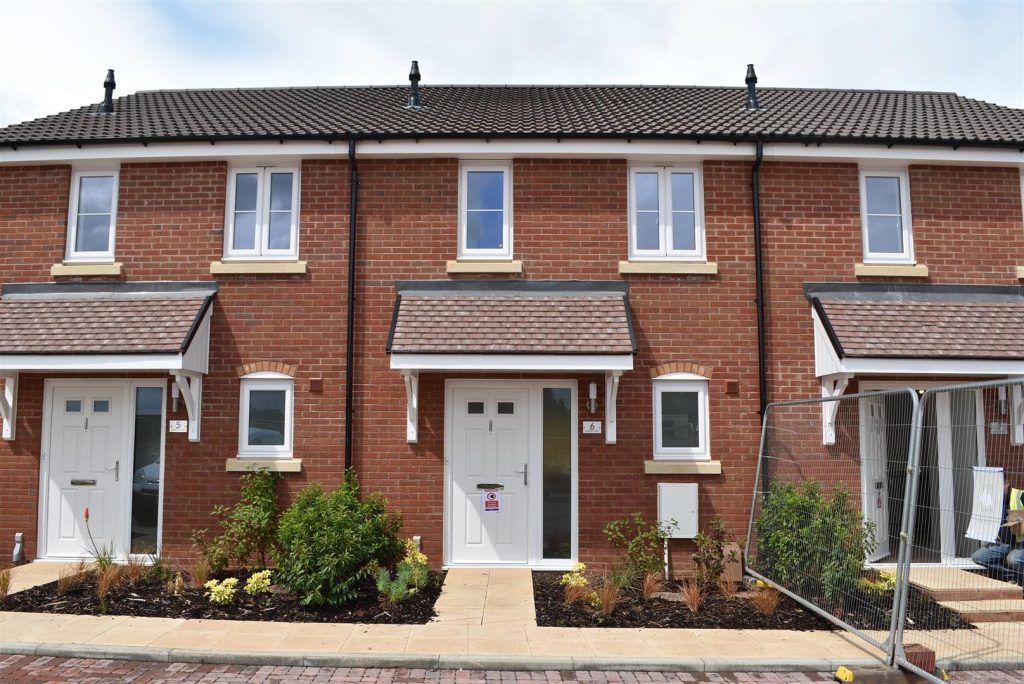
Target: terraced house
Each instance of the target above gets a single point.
(517, 311)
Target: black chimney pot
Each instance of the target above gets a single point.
(752, 102)
(414, 81)
(108, 92)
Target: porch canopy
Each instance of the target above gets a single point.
(560, 326)
(903, 329)
(106, 327)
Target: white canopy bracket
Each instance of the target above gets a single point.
(611, 393)
(412, 410)
(9, 404)
(1017, 415)
(832, 387)
(191, 387)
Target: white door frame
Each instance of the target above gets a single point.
(947, 521)
(124, 485)
(536, 455)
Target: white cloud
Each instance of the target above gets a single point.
(55, 54)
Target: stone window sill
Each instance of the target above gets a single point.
(274, 465)
(669, 267)
(1020, 273)
(890, 270)
(683, 467)
(258, 267)
(66, 269)
(485, 266)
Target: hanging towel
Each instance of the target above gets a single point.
(987, 512)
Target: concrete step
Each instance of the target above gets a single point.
(955, 584)
(1006, 610)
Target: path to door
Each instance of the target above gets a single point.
(483, 596)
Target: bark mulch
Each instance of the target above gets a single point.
(721, 612)
(148, 597)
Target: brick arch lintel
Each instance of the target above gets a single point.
(267, 367)
(681, 367)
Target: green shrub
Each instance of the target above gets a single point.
(641, 544)
(810, 543)
(249, 527)
(330, 542)
(709, 561)
(411, 575)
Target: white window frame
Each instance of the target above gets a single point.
(907, 255)
(262, 252)
(273, 382)
(682, 382)
(485, 254)
(667, 252)
(70, 253)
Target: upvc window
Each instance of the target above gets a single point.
(681, 418)
(265, 422)
(92, 216)
(262, 220)
(666, 213)
(885, 217)
(485, 211)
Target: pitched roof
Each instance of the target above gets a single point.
(493, 318)
(56, 319)
(682, 112)
(936, 322)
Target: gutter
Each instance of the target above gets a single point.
(762, 367)
(353, 203)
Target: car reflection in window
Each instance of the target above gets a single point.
(259, 436)
(146, 493)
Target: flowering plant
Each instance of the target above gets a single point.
(223, 592)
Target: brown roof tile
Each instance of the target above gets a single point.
(98, 325)
(932, 328)
(492, 323)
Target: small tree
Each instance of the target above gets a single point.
(249, 527)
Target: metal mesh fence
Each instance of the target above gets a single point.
(829, 496)
(963, 564)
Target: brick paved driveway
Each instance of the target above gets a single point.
(47, 669)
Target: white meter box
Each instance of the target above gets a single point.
(678, 502)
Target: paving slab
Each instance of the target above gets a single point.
(955, 584)
(35, 573)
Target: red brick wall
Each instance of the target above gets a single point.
(569, 222)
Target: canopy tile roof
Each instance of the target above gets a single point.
(52, 321)
(683, 112)
(949, 322)
(483, 318)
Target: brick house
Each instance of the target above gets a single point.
(575, 294)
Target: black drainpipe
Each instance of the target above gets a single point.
(762, 366)
(353, 203)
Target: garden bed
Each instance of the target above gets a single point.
(148, 597)
(718, 612)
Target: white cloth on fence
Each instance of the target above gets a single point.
(987, 511)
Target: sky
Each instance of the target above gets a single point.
(54, 55)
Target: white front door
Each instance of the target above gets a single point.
(86, 459)
(490, 450)
(874, 476)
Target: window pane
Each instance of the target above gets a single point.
(93, 233)
(245, 192)
(486, 189)
(475, 407)
(72, 406)
(101, 406)
(245, 230)
(885, 235)
(485, 230)
(680, 419)
(280, 191)
(96, 195)
(146, 468)
(645, 187)
(266, 417)
(883, 195)
(684, 230)
(506, 408)
(280, 230)
(648, 232)
(557, 436)
(682, 192)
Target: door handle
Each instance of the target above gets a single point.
(525, 471)
(117, 471)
